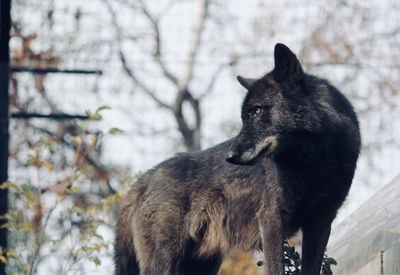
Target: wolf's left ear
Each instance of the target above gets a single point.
(287, 67)
(246, 82)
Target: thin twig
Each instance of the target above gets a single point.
(158, 44)
(91, 160)
(213, 80)
(195, 46)
(124, 63)
(40, 239)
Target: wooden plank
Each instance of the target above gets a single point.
(357, 242)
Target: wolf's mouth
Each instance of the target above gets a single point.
(252, 155)
(262, 154)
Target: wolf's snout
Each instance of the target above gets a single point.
(247, 153)
(233, 158)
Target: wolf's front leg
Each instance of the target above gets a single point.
(316, 231)
(160, 263)
(272, 233)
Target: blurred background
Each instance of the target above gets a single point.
(102, 90)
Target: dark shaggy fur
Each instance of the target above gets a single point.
(289, 168)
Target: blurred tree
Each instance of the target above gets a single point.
(57, 217)
(189, 122)
(62, 193)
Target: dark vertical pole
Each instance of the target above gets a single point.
(5, 23)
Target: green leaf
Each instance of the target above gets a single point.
(95, 260)
(8, 217)
(26, 227)
(9, 185)
(94, 116)
(7, 225)
(114, 130)
(330, 261)
(11, 254)
(97, 115)
(102, 108)
(3, 259)
(49, 165)
(73, 188)
(91, 211)
(77, 139)
(28, 195)
(25, 268)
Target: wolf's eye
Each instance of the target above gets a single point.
(255, 111)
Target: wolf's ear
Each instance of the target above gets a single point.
(287, 67)
(246, 82)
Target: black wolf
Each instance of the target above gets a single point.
(289, 168)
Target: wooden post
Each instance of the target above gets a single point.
(5, 23)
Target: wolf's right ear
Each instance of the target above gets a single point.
(246, 82)
(287, 66)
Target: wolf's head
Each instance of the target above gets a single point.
(275, 106)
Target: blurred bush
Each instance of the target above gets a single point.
(240, 263)
(60, 221)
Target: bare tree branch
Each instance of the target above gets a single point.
(124, 63)
(190, 134)
(167, 7)
(196, 43)
(90, 159)
(196, 132)
(158, 44)
(194, 50)
(214, 78)
(133, 77)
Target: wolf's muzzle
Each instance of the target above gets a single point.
(247, 155)
(232, 158)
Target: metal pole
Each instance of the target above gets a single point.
(5, 23)
(49, 116)
(54, 71)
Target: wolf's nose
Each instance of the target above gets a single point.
(231, 157)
